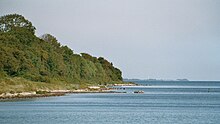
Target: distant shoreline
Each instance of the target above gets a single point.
(176, 80)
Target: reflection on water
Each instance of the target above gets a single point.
(161, 103)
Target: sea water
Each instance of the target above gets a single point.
(162, 102)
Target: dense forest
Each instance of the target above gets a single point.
(25, 56)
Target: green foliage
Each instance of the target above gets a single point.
(41, 92)
(51, 39)
(11, 21)
(111, 71)
(22, 54)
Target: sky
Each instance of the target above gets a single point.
(162, 39)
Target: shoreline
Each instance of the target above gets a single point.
(51, 93)
(9, 97)
(29, 95)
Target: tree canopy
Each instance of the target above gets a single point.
(44, 59)
(11, 21)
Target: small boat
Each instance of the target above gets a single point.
(139, 91)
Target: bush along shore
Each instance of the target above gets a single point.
(30, 63)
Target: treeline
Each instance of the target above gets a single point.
(44, 59)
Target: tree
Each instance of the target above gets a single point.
(11, 21)
(50, 39)
(89, 57)
(43, 59)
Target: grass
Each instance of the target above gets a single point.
(19, 84)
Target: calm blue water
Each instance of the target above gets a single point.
(162, 103)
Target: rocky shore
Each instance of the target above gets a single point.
(27, 95)
(50, 93)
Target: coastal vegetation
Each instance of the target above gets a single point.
(30, 63)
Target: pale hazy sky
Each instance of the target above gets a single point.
(164, 39)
